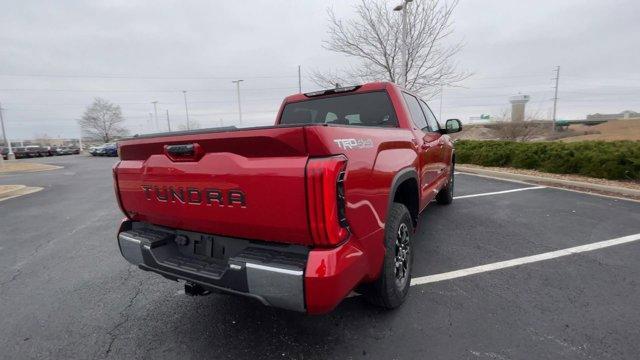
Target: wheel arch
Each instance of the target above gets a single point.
(405, 190)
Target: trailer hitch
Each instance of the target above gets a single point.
(193, 289)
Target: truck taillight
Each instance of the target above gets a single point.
(326, 201)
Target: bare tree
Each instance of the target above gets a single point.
(506, 129)
(374, 39)
(42, 139)
(103, 121)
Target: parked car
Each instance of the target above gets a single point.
(101, 150)
(110, 149)
(36, 151)
(51, 150)
(63, 150)
(94, 150)
(297, 215)
(20, 152)
(4, 152)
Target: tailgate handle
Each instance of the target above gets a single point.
(184, 152)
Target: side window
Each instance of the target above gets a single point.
(417, 116)
(431, 119)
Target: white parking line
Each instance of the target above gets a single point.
(499, 192)
(523, 260)
(549, 186)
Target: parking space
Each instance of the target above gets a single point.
(66, 292)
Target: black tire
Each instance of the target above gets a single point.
(445, 195)
(391, 288)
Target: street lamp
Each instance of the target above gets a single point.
(237, 82)
(403, 7)
(186, 108)
(155, 110)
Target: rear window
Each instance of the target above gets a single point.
(368, 109)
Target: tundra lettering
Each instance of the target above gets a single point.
(194, 195)
(335, 186)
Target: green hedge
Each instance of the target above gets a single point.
(617, 160)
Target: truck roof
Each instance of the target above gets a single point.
(372, 86)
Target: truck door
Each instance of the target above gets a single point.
(427, 145)
(434, 128)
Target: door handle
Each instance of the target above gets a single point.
(184, 152)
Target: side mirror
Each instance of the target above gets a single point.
(452, 126)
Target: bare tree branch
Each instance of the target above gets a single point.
(103, 121)
(374, 39)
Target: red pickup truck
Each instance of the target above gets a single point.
(296, 215)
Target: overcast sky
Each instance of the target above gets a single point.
(56, 56)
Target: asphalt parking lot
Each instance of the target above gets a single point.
(65, 291)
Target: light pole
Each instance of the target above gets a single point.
(555, 96)
(80, 139)
(237, 82)
(186, 108)
(168, 122)
(155, 110)
(10, 155)
(405, 49)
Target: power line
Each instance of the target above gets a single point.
(147, 77)
(147, 90)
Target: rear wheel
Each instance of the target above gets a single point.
(445, 196)
(392, 287)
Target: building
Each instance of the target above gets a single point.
(625, 115)
(518, 104)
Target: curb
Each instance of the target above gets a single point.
(621, 191)
(13, 191)
(19, 191)
(47, 168)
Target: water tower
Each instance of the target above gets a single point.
(518, 103)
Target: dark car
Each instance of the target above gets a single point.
(51, 150)
(36, 151)
(110, 150)
(4, 152)
(20, 152)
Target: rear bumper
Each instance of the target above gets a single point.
(272, 274)
(284, 276)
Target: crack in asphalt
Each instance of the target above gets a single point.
(113, 335)
(35, 251)
(13, 277)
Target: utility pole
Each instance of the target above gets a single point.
(155, 110)
(299, 80)
(237, 82)
(555, 97)
(405, 49)
(80, 140)
(168, 122)
(186, 108)
(150, 119)
(10, 155)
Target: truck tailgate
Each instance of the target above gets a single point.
(243, 183)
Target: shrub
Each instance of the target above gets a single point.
(617, 160)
